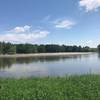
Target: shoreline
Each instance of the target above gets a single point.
(45, 54)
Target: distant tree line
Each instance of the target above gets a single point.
(9, 48)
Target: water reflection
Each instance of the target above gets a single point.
(50, 65)
(99, 55)
(8, 62)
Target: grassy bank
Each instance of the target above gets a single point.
(85, 87)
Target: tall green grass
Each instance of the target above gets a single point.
(85, 87)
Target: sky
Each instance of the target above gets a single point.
(69, 22)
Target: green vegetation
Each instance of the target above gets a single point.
(85, 87)
(8, 48)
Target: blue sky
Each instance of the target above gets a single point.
(70, 22)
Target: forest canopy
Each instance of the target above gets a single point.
(9, 48)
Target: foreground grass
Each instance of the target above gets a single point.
(85, 87)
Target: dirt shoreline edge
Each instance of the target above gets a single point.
(45, 54)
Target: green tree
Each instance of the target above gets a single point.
(41, 49)
(35, 49)
(12, 49)
(1, 48)
(8, 48)
(86, 49)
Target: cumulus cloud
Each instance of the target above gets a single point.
(90, 5)
(23, 34)
(63, 23)
(19, 29)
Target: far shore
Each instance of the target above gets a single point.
(45, 54)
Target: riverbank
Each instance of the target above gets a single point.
(85, 87)
(45, 54)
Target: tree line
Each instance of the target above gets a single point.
(9, 48)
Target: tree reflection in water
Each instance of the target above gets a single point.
(7, 62)
(99, 55)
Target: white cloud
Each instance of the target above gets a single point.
(63, 23)
(23, 34)
(20, 29)
(89, 42)
(90, 5)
